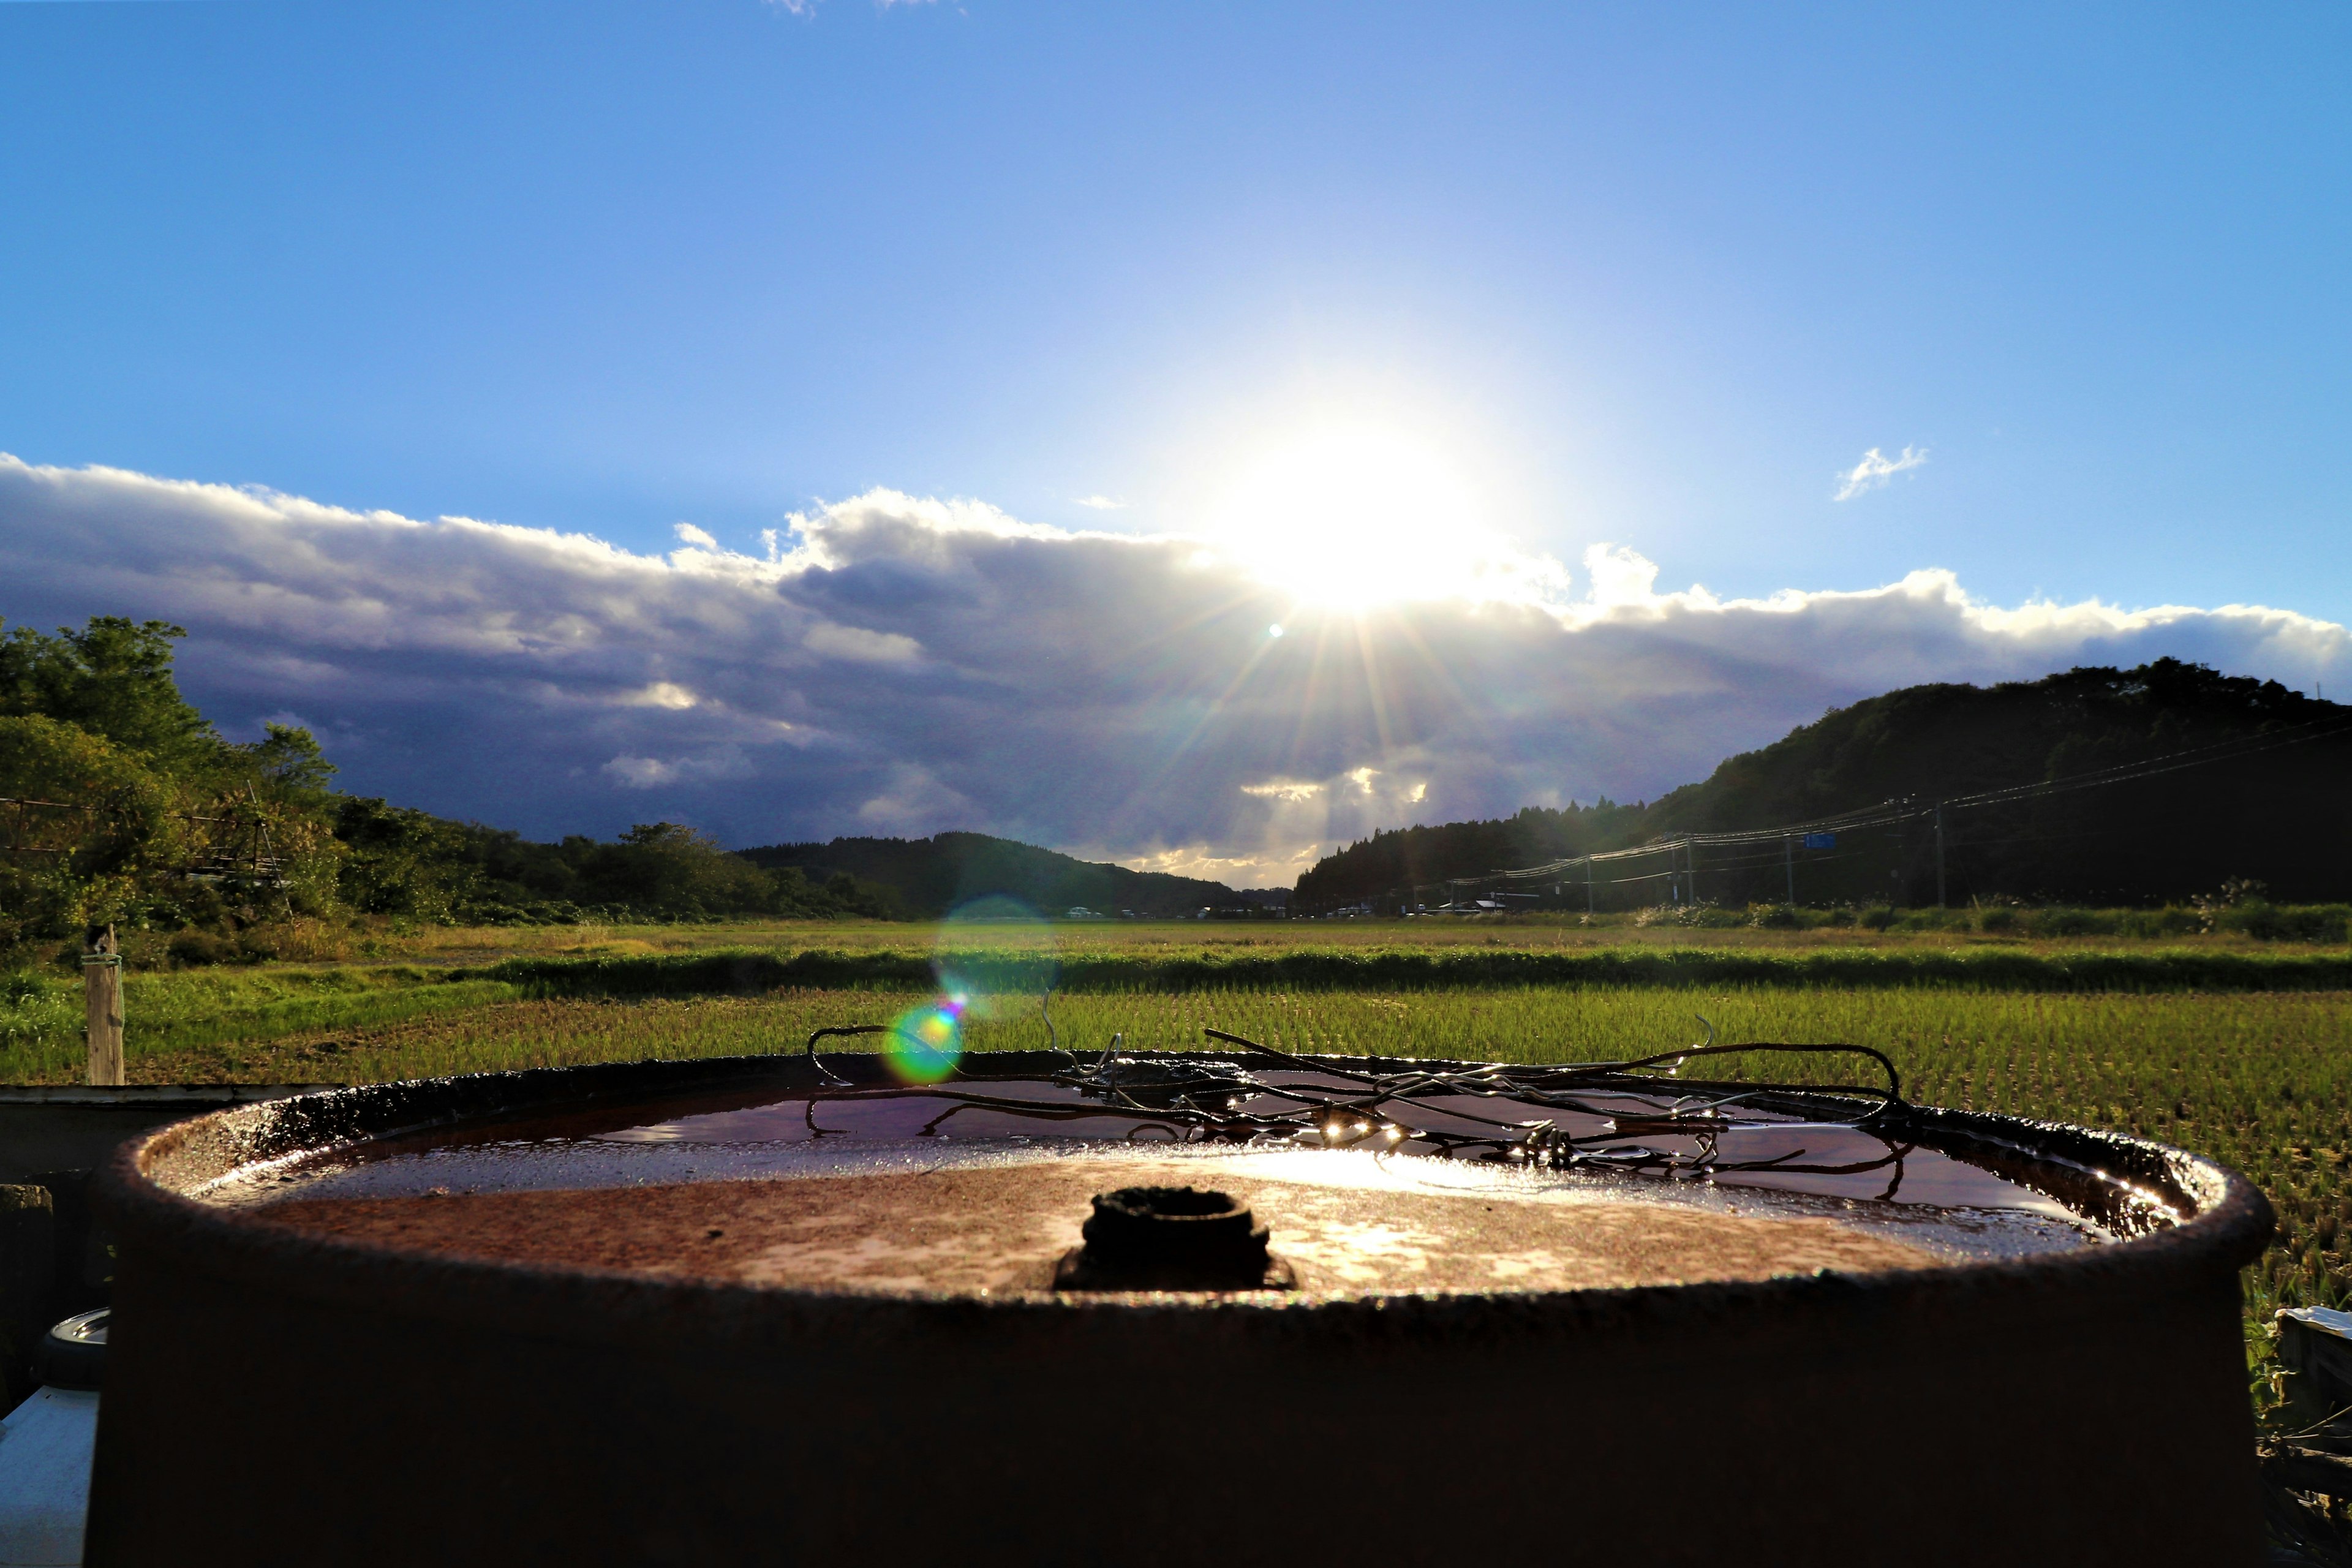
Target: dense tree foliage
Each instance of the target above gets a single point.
(114, 679)
(2275, 816)
(935, 875)
(1410, 865)
(119, 802)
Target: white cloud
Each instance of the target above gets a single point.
(1272, 870)
(1620, 578)
(649, 773)
(913, 800)
(805, 8)
(1875, 468)
(660, 694)
(1291, 790)
(1100, 503)
(640, 773)
(899, 665)
(695, 537)
(860, 646)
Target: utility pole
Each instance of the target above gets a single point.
(1940, 854)
(1588, 884)
(101, 980)
(1788, 854)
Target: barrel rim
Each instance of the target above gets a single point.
(2232, 1223)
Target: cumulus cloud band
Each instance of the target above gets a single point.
(897, 665)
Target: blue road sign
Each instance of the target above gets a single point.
(1821, 840)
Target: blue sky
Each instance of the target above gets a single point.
(1649, 276)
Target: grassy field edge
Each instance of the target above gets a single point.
(1355, 969)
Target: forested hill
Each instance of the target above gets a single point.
(1393, 861)
(934, 874)
(2281, 817)
(121, 804)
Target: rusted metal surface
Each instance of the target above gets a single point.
(992, 1230)
(278, 1395)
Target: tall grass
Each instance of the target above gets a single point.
(2250, 926)
(41, 1019)
(40, 1013)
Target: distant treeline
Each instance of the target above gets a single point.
(120, 801)
(934, 874)
(2277, 818)
(1112, 969)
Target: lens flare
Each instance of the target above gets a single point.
(926, 1042)
(992, 956)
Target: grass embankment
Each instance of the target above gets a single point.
(178, 1016)
(376, 941)
(181, 1016)
(1415, 968)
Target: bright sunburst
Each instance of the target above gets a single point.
(1351, 515)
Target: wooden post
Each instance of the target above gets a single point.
(101, 979)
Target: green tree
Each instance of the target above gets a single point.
(664, 866)
(290, 761)
(113, 679)
(88, 857)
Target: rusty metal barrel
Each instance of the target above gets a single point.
(980, 1353)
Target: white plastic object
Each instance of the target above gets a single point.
(45, 1449)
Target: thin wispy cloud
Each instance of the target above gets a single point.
(808, 7)
(904, 666)
(1876, 470)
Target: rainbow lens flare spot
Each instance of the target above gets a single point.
(926, 1042)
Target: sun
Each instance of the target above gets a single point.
(1350, 515)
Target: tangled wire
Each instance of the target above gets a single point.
(1452, 1110)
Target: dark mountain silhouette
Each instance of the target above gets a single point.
(934, 874)
(2277, 815)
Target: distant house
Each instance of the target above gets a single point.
(1080, 912)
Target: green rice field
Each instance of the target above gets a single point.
(2239, 1054)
